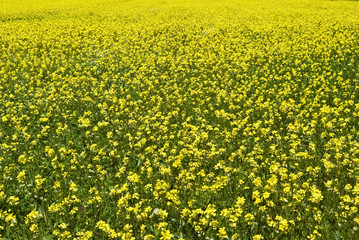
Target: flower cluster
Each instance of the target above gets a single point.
(177, 120)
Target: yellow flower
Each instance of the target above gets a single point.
(316, 196)
(34, 228)
(149, 237)
(39, 181)
(33, 215)
(84, 235)
(13, 200)
(73, 187)
(22, 159)
(257, 237)
(222, 233)
(249, 217)
(266, 195)
(57, 185)
(10, 218)
(84, 122)
(166, 235)
(283, 224)
(107, 229)
(21, 176)
(63, 225)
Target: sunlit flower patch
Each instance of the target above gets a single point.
(177, 120)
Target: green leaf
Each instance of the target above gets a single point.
(48, 237)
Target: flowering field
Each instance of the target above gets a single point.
(206, 119)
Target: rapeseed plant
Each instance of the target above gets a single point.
(179, 120)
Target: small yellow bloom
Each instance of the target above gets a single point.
(73, 187)
(257, 237)
(222, 233)
(21, 176)
(34, 228)
(166, 235)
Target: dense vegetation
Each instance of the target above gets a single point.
(179, 120)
